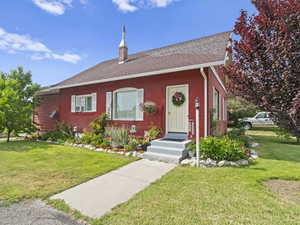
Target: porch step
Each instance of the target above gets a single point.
(162, 157)
(167, 150)
(171, 144)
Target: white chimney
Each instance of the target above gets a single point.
(123, 50)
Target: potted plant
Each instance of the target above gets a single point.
(149, 107)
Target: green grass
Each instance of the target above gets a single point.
(38, 170)
(218, 196)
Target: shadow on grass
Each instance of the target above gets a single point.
(22, 146)
(260, 169)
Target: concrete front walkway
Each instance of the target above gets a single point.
(99, 195)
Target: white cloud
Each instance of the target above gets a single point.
(84, 2)
(161, 3)
(13, 43)
(56, 7)
(125, 5)
(133, 5)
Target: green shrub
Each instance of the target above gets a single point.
(70, 141)
(239, 135)
(119, 136)
(152, 134)
(86, 138)
(130, 147)
(99, 124)
(105, 143)
(283, 134)
(97, 141)
(91, 139)
(240, 108)
(61, 133)
(222, 149)
(52, 135)
(133, 144)
(192, 146)
(65, 130)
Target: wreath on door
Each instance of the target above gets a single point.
(178, 98)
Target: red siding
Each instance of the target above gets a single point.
(49, 103)
(154, 90)
(214, 83)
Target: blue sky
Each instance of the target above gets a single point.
(56, 39)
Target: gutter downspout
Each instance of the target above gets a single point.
(205, 101)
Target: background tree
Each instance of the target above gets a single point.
(240, 108)
(17, 102)
(266, 65)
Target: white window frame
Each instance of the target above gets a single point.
(224, 109)
(216, 105)
(114, 95)
(82, 104)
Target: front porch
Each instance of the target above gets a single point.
(172, 148)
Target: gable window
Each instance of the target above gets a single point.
(126, 104)
(216, 105)
(84, 103)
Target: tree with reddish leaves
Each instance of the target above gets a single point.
(266, 63)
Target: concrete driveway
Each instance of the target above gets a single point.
(34, 212)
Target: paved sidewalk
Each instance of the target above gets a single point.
(99, 195)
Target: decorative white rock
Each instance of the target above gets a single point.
(186, 162)
(243, 162)
(254, 157)
(234, 164)
(254, 145)
(222, 163)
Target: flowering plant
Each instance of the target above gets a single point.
(149, 107)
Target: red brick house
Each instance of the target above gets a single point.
(120, 85)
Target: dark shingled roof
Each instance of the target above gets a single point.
(199, 51)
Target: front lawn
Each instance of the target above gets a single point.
(38, 170)
(218, 196)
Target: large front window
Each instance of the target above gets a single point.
(126, 104)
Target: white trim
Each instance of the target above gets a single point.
(219, 102)
(108, 104)
(224, 117)
(167, 105)
(205, 102)
(158, 72)
(218, 78)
